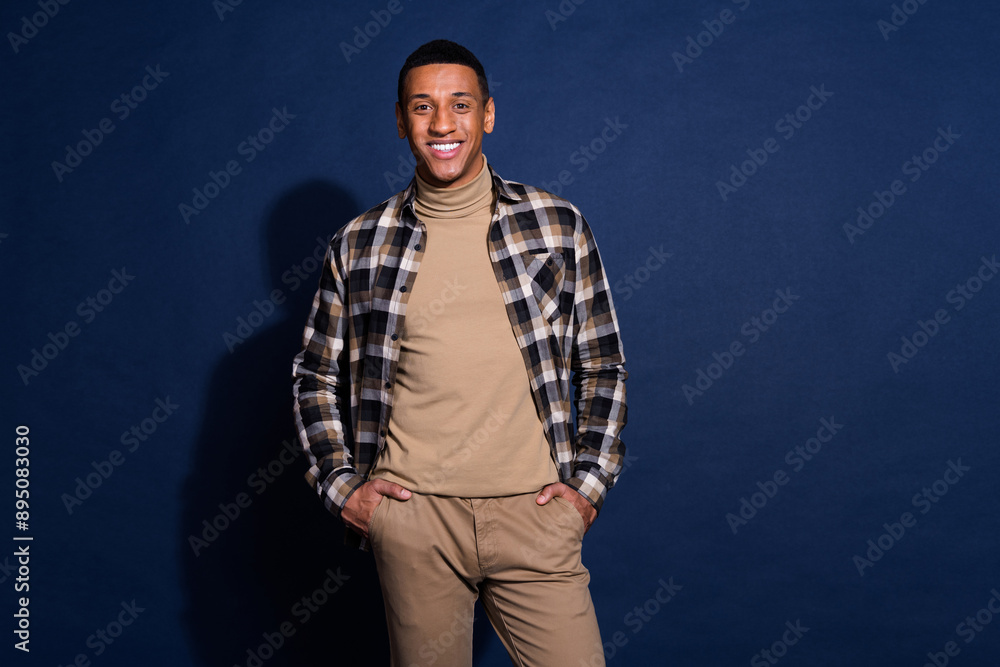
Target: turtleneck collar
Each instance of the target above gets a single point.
(458, 202)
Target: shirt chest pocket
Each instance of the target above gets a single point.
(546, 271)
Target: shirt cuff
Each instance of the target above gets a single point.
(338, 487)
(590, 486)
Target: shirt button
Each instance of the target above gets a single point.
(416, 247)
(388, 385)
(403, 288)
(394, 336)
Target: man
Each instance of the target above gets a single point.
(432, 393)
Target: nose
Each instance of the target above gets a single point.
(442, 122)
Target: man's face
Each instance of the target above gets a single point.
(443, 117)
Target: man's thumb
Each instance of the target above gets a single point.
(398, 492)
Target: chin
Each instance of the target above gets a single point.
(445, 177)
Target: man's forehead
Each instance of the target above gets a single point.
(460, 78)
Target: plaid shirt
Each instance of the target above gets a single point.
(559, 304)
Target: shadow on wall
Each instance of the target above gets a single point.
(267, 577)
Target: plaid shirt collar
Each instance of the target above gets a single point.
(409, 196)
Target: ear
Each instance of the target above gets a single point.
(400, 122)
(490, 116)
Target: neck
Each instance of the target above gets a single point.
(458, 202)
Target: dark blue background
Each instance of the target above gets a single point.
(556, 84)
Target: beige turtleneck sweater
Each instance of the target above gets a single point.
(463, 421)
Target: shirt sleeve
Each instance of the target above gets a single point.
(598, 376)
(322, 403)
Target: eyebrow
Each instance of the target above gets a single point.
(427, 97)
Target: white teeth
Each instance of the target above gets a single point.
(444, 148)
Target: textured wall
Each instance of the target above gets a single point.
(796, 202)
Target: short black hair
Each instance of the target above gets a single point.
(443, 52)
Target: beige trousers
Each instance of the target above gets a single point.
(436, 555)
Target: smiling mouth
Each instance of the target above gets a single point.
(445, 148)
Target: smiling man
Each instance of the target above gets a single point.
(455, 327)
(443, 111)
